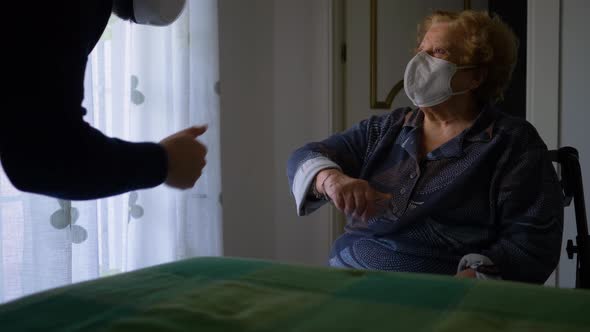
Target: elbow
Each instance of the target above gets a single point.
(20, 182)
(26, 176)
(21, 179)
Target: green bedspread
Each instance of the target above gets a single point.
(224, 294)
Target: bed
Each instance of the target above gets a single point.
(227, 294)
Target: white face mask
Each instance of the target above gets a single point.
(427, 80)
(157, 12)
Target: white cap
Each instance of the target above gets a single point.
(157, 12)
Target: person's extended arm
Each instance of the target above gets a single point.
(46, 147)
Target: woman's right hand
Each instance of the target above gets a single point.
(186, 157)
(352, 196)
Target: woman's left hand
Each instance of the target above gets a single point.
(467, 273)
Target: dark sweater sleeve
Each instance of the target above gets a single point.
(46, 146)
(530, 206)
(81, 163)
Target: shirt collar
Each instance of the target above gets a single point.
(481, 130)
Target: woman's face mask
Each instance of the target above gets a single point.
(427, 80)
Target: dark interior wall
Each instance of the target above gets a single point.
(514, 13)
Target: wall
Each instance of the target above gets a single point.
(302, 79)
(275, 78)
(574, 115)
(557, 72)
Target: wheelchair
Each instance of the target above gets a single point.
(573, 189)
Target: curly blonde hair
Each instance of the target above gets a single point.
(488, 42)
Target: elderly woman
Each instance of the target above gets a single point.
(453, 186)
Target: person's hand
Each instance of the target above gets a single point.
(467, 273)
(352, 196)
(186, 157)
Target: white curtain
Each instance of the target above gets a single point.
(142, 84)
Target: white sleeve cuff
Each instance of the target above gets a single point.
(304, 178)
(476, 259)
